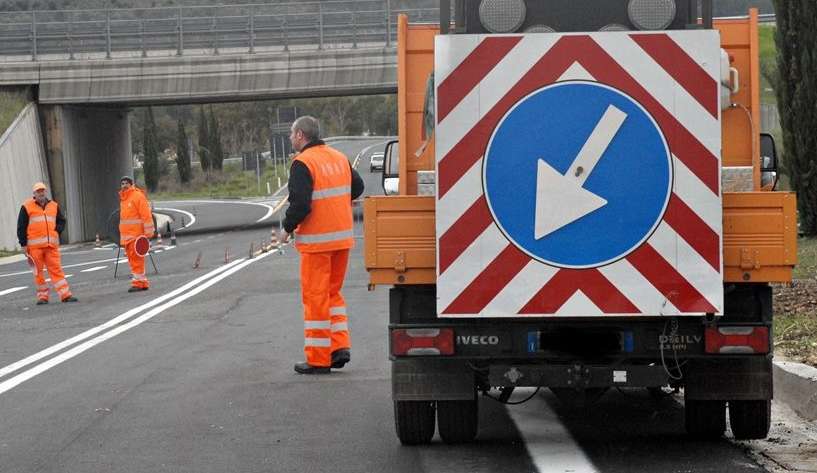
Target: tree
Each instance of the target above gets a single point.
(796, 40)
(182, 154)
(216, 149)
(204, 141)
(151, 150)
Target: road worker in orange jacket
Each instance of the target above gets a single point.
(322, 186)
(135, 220)
(39, 225)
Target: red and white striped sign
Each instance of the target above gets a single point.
(674, 76)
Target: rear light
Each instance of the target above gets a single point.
(422, 341)
(737, 340)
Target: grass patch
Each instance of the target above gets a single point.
(806, 259)
(232, 182)
(796, 337)
(795, 308)
(4, 253)
(11, 104)
(768, 63)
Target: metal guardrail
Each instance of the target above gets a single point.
(206, 29)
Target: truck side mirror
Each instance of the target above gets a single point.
(768, 162)
(391, 169)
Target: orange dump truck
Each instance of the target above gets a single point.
(580, 199)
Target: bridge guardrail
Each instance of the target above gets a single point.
(207, 29)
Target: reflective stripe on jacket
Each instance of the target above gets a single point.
(328, 226)
(42, 224)
(135, 218)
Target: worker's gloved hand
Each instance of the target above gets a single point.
(284, 238)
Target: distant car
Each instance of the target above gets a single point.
(376, 162)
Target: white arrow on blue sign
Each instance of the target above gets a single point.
(577, 174)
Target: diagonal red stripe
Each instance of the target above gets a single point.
(600, 65)
(668, 280)
(694, 231)
(463, 232)
(682, 143)
(691, 76)
(487, 285)
(472, 146)
(471, 71)
(591, 282)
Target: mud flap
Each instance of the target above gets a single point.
(736, 379)
(431, 379)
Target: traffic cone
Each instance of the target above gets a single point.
(159, 239)
(98, 242)
(172, 237)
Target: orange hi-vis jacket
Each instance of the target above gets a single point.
(328, 226)
(135, 218)
(42, 224)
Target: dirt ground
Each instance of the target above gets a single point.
(795, 322)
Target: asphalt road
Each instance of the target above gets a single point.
(196, 375)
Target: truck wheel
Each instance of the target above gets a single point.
(705, 419)
(457, 420)
(750, 419)
(414, 421)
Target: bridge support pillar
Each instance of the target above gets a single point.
(88, 149)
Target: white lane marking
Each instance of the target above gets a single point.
(115, 321)
(88, 263)
(283, 186)
(158, 251)
(188, 214)
(549, 444)
(365, 150)
(196, 241)
(42, 367)
(13, 289)
(238, 202)
(270, 211)
(91, 270)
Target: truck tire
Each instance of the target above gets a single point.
(457, 420)
(705, 419)
(414, 421)
(750, 419)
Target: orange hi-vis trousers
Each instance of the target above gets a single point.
(49, 258)
(137, 266)
(325, 324)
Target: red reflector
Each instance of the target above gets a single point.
(422, 341)
(737, 340)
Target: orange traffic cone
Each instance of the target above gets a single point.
(159, 238)
(98, 242)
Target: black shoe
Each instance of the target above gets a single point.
(42, 302)
(305, 368)
(137, 289)
(340, 357)
(70, 299)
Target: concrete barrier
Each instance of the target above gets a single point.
(795, 384)
(22, 163)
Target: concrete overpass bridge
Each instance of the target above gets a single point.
(87, 68)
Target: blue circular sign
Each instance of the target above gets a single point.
(577, 174)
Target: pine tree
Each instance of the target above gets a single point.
(151, 149)
(182, 154)
(796, 40)
(204, 141)
(216, 149)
